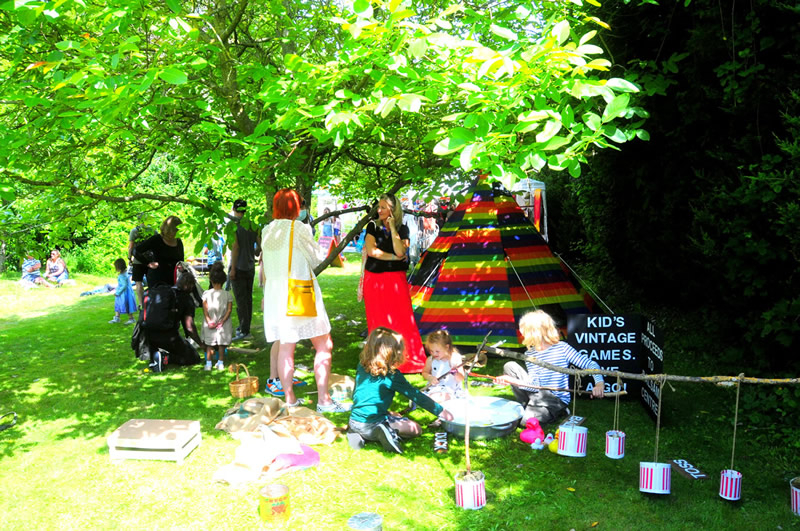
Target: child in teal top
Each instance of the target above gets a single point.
(377, 381)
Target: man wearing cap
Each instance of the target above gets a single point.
(242, 270)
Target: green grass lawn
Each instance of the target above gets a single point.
(72, 379)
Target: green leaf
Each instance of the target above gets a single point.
(561, 31)
(641, 134)
(363, 8)
(592, 121)
(173, 75)
(621, 85)
(466, 156)
(174, 5)
(502, 32)
(616, 108)
(551, 128)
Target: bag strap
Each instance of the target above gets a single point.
(291, 246)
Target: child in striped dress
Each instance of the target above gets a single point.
(541, 336)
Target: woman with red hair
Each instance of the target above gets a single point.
(278, 238)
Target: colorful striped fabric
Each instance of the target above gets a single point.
(487, 268)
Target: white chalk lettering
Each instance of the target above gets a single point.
(604, 321)
(652, 347)
(605, 337)
(651, 403)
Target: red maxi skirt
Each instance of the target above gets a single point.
(388, 303)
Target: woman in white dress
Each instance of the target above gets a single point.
(288, 330)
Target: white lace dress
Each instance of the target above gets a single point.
(306, 254)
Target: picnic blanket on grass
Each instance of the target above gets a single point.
(273, 439)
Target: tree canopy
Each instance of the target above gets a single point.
(109, 109)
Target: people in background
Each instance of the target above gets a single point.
(124, 299)
(56, 269)
(138, 235)
(217, 326)
(31, 274)
(161, 253)
(243, 270)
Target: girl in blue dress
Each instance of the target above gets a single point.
(124, 299)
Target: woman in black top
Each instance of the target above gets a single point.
(161, 253)
(386, 298)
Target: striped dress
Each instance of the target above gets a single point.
(562, 355)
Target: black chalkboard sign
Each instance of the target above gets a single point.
(626, 343)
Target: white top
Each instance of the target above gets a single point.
(306, 255)
(217, 301)
(448, 384)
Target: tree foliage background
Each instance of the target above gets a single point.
(704, 218)
(180, 107)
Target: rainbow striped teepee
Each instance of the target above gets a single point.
(487, 268)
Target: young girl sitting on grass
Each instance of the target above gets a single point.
(541, 336)
(217, 325)
(124, 299)
(443, 370)
(377, 381)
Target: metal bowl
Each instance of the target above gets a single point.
(490, 417)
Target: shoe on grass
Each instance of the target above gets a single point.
(130, 321)
(219, 366)
(208, 365)
(115, 320)
(238, 336)
(389, 439)
(333, 407)
(274, 388)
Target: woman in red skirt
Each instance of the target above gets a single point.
(386, 298)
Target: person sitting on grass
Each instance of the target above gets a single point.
(168, 339)
(56, 269)
(443, 370)
(541, 336)
(31, 274)
(377, 381)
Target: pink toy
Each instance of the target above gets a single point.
(532, 432)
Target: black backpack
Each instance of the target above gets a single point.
(160, 308)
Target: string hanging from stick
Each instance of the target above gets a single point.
(616, 405)
(658, 416)
(736, 417)
(575, 394)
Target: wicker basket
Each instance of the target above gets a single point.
(243, 387)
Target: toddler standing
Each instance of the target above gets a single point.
(217, 325)
(124, 299)
(443, 369)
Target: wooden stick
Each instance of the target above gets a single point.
(494, 378)
(719, 380)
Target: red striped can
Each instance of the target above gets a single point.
(654, 478)
(470, 493)
(615, 444)
(795, 486)
(572, 440)
(730, 485)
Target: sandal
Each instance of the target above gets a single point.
(440, 442)
(10, 424)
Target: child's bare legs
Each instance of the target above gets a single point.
(209, 356)
(405, 428)
(322, 366)
(286, 370)
(221, 359)
(273, 359)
